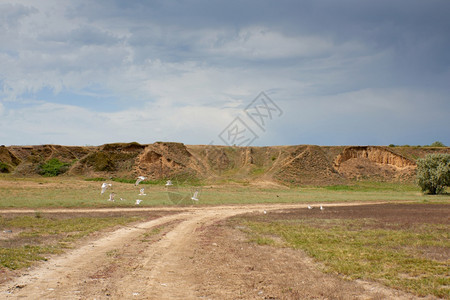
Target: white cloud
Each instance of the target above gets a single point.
(44, 122)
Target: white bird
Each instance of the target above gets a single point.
(265, 212)
(141, 192)
(309, 207)
(321, 207)
(138, 201)
(195, 196)
(169, 183)
(105, 186)
(139, 179)
(111, 197)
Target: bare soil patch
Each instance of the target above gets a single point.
(385, 214)
(195, 254)
(227, 266)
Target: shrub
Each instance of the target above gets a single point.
(437, 144)
(53, 167)
(4, 168)
(433, 173)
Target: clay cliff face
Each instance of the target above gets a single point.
(370, 162)
(380, 155)
(302, 164)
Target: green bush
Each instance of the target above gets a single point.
(433, 173)
(437, 144)
(53, 167)
(4, 168)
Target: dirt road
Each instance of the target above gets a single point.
(186, 255)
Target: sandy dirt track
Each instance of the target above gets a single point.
(190, 256)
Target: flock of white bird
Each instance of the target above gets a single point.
(169, 183)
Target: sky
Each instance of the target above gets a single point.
(247, 72)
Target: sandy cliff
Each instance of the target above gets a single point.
(301, 164)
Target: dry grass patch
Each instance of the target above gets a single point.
(408, 253)
(26, 239)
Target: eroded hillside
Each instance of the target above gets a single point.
(302, 164)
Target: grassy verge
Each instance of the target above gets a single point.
(397, 256)
(26, 239)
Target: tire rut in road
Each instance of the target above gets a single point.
(152, 270)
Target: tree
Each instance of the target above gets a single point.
(433, 173)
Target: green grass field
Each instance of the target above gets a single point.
(39, 192)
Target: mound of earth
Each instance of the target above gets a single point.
(110, 160)
(301, 164)
(309, 165)
(166, 160)
(7, 160)
(27, 158)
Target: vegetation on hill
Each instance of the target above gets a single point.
(4, 168)
(434, 144)
(53, 167)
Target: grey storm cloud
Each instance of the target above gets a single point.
(413, 35)
(331, 64)
(83, 36)
(11, 14)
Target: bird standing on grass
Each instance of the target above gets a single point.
(141, 192)
(138, 201)
(321, 207)
(111, 197)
